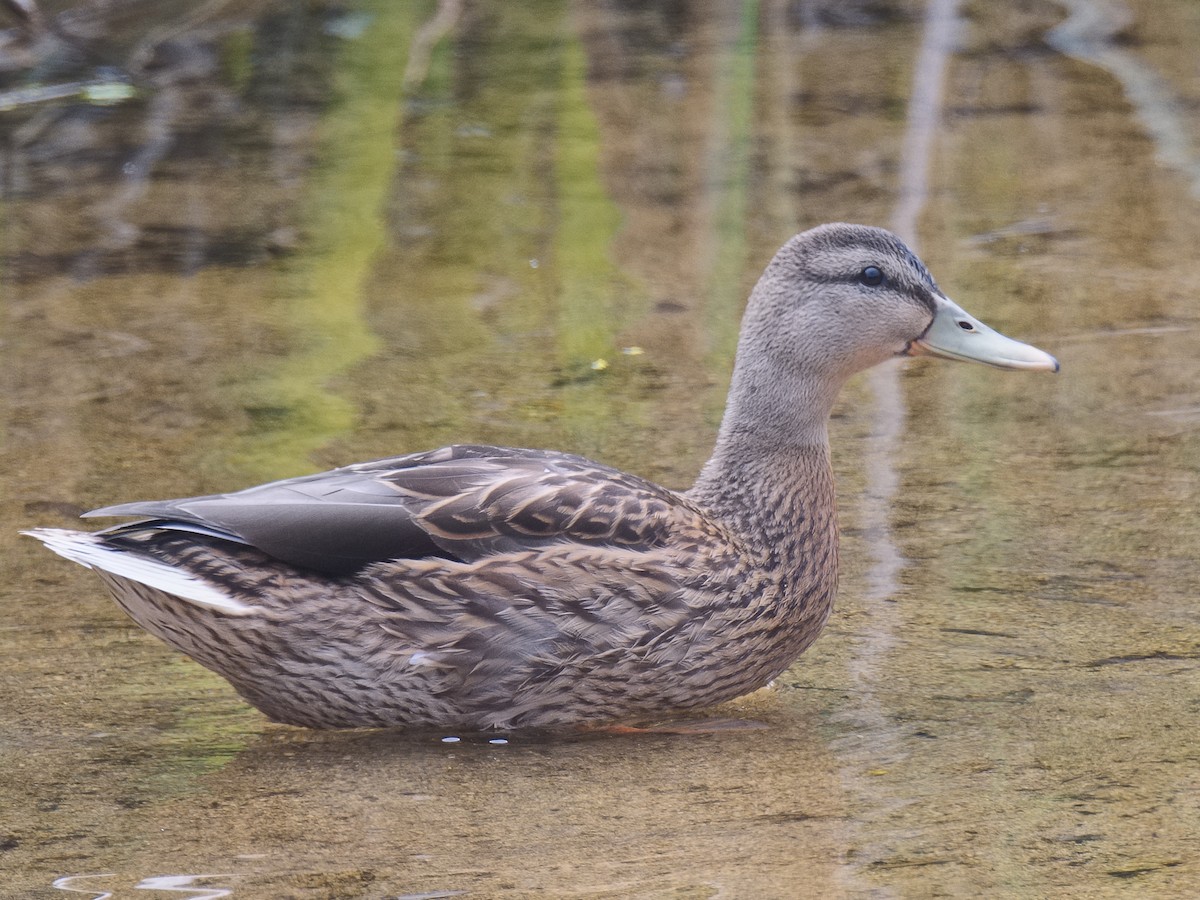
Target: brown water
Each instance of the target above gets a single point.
(325, 232)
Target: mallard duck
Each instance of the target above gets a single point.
(480, 587)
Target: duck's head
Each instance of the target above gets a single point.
(841, 298)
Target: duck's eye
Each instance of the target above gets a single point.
(871, 276)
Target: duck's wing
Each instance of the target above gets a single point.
(462, 502)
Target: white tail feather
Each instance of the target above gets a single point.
(89, 550)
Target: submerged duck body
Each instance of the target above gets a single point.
(495, 588)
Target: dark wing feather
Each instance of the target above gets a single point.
(462, 502)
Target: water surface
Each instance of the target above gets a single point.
(300, 235)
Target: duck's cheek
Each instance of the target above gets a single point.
(900, 348)
(879, 352)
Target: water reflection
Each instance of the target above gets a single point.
(873, 743)
(1093, 33)
(310, 237)
(181, 884)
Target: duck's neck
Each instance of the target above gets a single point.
(772, 488)
(781, 501)
(770, 469)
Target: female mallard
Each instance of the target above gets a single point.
(484, 587)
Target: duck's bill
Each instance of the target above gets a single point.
(956, 334)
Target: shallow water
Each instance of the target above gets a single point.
(325, 232)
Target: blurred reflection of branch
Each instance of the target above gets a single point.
(162, 111)
(924, 116)
(427, 38)
(28, 12)
(876, 735)
(1090, 35)
(189, 60)
(36, 40)
(163, 62)
(148, 46)
(103, 90)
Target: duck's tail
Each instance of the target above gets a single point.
(93, 551)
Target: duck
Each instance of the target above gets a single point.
(492, 588)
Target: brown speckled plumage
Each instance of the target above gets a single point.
(484, 587)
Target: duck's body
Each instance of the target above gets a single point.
(484, 587)
(533, 589)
